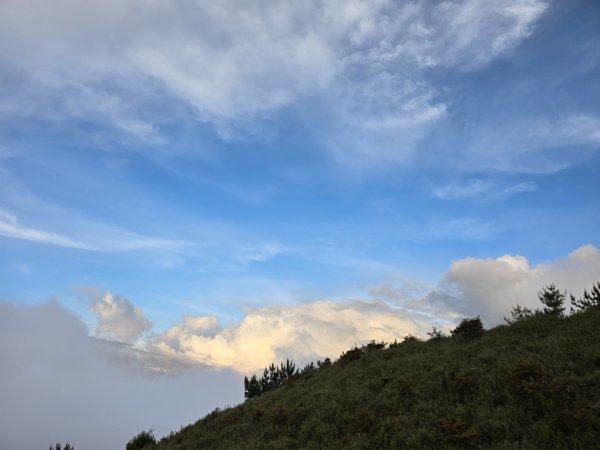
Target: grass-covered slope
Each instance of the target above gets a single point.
(534, 384)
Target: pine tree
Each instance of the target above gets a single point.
(590, 300)
(252, 387)
(553, 300)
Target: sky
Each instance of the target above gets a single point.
(190, 190)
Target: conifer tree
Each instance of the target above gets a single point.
(553, 300)
(590, 300)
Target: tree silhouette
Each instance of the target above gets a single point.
(590, 300)
(58, 446)
(553, 300)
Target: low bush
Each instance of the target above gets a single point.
(143, 440)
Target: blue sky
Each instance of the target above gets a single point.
(201, 160)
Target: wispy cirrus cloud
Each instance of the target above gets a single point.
(363, 63)
(541, 144)
(10, 228)
(482, 188)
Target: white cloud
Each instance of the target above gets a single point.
(364, 62)
(471, 286)
(10, 227)
(491, 287)
(272, 333)
(118, 318)
(482, 188)
(470, 189)
(537, 145)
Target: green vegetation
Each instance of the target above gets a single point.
(144, 439)
(533, 383)
(590, 300)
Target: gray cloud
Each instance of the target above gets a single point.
(118, 318)
(58, 384)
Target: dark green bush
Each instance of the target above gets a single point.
(143, 440)
(354, 354)
(469, 328)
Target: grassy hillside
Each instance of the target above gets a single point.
(533, 384)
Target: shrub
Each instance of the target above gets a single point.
(410, 338)
(354, 354)
(325, 363)
(280, 415)
(469, 328)
(373, 345)
(435, 334)
(143, 440)
(520, 313)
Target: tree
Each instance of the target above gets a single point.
(58, 446)
(251, 387)
(590, 300)
(273, 376)
(553, 300)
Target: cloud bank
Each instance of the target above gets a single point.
(308, 331)
(304, 332)
(58, 384)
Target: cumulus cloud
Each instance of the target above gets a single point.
(233, 62)
(491, 287)
(58, 384)
(118, 318)
(272, 333)
(471, 286)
